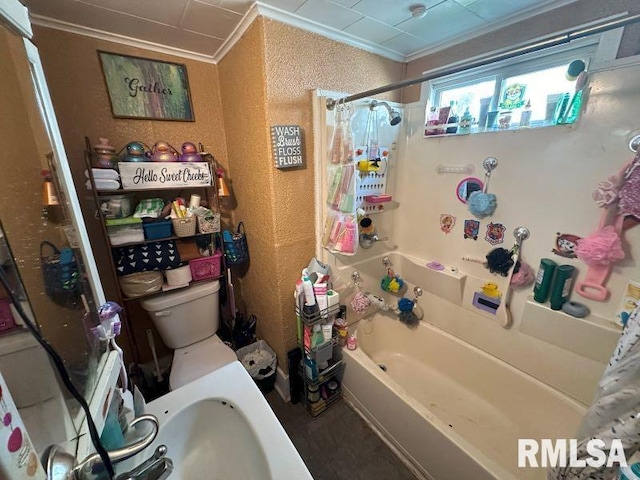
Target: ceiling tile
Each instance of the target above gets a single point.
(404, 43)
(168, 12)
(390, 12)
(443, 22)
(126, 25)
(209, 20)
(346, 3)
(238, 6)
(465, 3)
(286, 5)
(327, 13)
(372, 30)
(497, 9)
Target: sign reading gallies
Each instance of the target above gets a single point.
(143, 175)
(288, 149)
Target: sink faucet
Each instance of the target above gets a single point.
(62, 465)
(157, 467)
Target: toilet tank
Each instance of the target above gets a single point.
(185, 316)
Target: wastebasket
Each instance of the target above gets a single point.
(260, 361)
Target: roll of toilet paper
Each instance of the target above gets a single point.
(178, 276)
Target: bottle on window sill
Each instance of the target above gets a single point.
(452, 121)
(525, 117)
(465, 122)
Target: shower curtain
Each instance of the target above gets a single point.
(615, 412)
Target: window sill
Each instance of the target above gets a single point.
(513, 128)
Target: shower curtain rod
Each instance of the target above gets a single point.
(532, 47)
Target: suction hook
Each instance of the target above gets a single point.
(634, 143)
(355, 276)
(417, 291)
(521, 233)
(489, 164)
(386, 262)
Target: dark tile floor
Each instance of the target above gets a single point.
(338, 445)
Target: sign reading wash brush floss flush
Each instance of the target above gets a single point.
(288, 150)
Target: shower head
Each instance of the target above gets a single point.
(394, 116)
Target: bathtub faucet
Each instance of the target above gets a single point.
(367, 241)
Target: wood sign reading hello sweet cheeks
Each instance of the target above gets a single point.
(146, 89)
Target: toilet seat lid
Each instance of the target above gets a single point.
(199, 359)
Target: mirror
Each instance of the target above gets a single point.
(467, 186)
(56, 281)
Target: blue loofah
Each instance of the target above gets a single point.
(405, 305)
(482, 204)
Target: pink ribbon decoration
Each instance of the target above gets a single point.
(607, 191)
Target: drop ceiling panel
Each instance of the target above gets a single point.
(390, 12)
(496, 9)
(372, 30)
(201, 26)
(209, 20)
(404, 43)
(238, 6)
(445, 20)
(328, 13)
(168, 12)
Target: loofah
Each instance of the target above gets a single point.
(482, 204)
(499, 261)
(391, 282)
(405, 305)
(601, 248)
(523, 275)
(360, 302)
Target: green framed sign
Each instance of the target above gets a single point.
(146, 89)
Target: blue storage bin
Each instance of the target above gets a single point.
(155, 230)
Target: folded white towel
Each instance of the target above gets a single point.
(103, 184)
(103, 173)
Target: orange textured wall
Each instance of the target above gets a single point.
(82, 107)
(577, 13)
(267, 79)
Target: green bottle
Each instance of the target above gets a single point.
(543, 280)
(561, 286)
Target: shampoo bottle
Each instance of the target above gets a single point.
(543, 280)
(561, 286)
(317, 338)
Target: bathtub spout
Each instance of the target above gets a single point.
(367, 241)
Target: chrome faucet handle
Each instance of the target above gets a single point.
(85, 467)
(156, 467)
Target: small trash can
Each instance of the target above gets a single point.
(260, 361)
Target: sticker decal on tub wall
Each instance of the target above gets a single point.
(495, 233)
(566, 244)
(447, 221)
(471, 229)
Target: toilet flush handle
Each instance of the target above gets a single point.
(162, 313)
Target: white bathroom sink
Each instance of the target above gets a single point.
(221, 427)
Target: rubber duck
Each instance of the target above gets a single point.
(490, 289)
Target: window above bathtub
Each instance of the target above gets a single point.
(530, 91)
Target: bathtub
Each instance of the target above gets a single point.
(450, 410)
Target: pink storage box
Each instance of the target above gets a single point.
(381, 198)
(6, 317)
(206, 267)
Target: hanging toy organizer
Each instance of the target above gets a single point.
(372, 160)
(340, 233)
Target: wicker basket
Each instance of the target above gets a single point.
(184, 227)
(209, 224)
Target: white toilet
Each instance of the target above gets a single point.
(187, 320)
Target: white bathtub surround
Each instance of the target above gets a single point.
(453, 411)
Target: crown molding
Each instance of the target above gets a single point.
(492, 27)
(237, 33)
(119, 39)
(328, 32)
